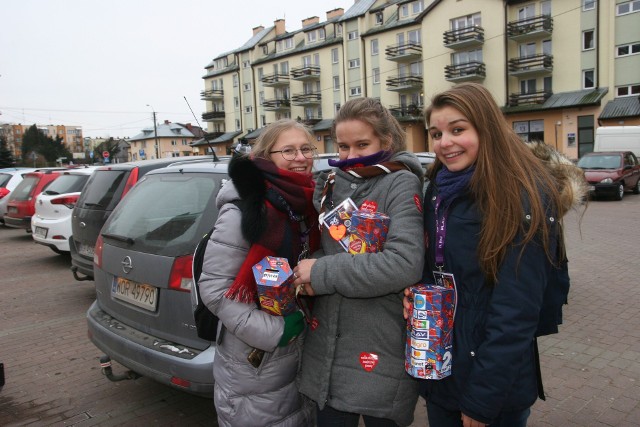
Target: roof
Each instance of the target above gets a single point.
(578, 98)
(359, 8)
(323, 125)
(247, 45)
(628, 106)
(165, 130)
(226, 137)
(254, 134)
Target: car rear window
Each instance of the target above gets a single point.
(23, 190)
(66, 184)
(4, 179)
(163, 213)
(103, 189)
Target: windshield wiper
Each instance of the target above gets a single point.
(119, 238)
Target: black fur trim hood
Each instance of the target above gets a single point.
(250, 185)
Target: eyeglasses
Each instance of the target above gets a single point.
(308, 151)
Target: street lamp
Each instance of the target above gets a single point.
(155, 131)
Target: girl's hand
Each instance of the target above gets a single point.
(407, 303)
(470, 422)
(302, 274)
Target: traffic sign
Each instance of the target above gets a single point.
(105, 154)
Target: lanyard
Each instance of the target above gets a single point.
(441, 231)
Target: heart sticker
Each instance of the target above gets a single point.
(337, 231)
(368, 361)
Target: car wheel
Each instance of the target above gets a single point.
(620, 192)
(636, 189)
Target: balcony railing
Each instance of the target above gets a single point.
(310, 119)
(275, 79)
(404, 51)
(464, 37)
(306, 98)
(523, 29)
(306, 72)
(212, 94)
(531, 65)
(532, 98)
(213, 115)
(407, 112)
(276, 104)
(473, 70)
(404, 83)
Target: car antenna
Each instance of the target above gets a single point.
(204, 136)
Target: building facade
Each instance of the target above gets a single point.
(558, 68)
(71, 136)
(164, 140)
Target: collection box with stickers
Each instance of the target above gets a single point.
(276, 292)
(368, 231)
(430, 332)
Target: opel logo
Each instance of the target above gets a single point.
(127, 266)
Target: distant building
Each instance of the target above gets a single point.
(173, 140)
(71, 136)
(558, 68)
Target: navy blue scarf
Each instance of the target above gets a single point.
(358, 162)
(452, 184)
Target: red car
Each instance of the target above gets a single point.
(611, 173)
(22, 200)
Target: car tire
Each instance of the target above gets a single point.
(620, 191)
(636, 189)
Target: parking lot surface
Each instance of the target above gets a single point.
(591, 369)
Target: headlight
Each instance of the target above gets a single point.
(606, 181)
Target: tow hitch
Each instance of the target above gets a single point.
(105, 364)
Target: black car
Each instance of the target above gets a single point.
(104, 190)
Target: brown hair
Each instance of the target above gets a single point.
(269, 136)
(507, 173)
(372, 112)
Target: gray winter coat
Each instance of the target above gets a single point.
(244, 395)
(359, 304)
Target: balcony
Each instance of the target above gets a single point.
(276, 104)
(275, 79)
(306, 72)
(465, 72)
(407, 112)
(306, 99)
(464, 38)
(532, 98)
(530, 28)
(404, 83)
(212, 94)
(213, 116)
(529, 66)
(404, 52)
(310, 120)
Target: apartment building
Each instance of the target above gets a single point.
(558, 68)
(164, 140)
(71, 136)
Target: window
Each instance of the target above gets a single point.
(321, 34)
(466, 21)
(334, 55)
(404, 10)
(354, 63)
(417, 6)
(379, 18)
(246, 64)
(545, 8)
(376, 76)
(261, 98)
(235, 80)
(263, 120)
(236, 102)
(532, 130)
(339, 29)
(628, 7)
(352, 35)
(460, 58)
(185, 142)
(248, 109)
(374, 47)
(527, 86)
(246, 87)
(629, 90)
(238, 124)
(336, 83)
(546, 47)
(336, 107)
(588, 40)
(173, 142)
(628, 49)
(355, 91)
(312, 36)
(588, 4)
(588, 80)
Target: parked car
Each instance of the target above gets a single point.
(104, 190)
(21, 203)
(51, 223)
(611, 173)
(143, 315)
(9, 180)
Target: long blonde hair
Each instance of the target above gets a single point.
(507, 175)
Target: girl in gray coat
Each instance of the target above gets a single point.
(265, 210)
(353, 361)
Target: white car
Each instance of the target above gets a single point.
(51, 223)
(9, 179)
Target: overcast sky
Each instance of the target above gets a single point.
(98, 63)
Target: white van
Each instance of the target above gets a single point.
(618, 138)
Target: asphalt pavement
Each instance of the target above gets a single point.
(591, 369)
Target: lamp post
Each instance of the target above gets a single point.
(155, 131)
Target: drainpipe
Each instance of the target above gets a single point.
(506, 54)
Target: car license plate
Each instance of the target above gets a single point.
(86, 250)
(41, 232)
(138, 294)
(12, 209)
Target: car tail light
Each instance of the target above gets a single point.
(133, 178)
(181, 277)
(97, 254)
(180, 382)
(68, 201)
(4, 192)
